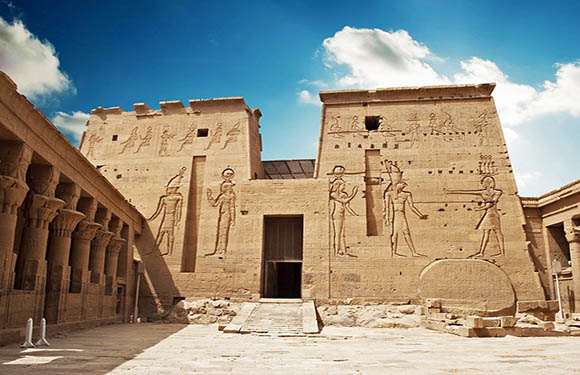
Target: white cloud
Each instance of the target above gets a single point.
(307, 97)
(30, 62)
(372, 58)
(72, 125)
(510, 135)
(316, 83)
(377, 58)
(525, 179)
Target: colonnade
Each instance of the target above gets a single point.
(59, 247)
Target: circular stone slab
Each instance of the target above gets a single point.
(468, 285)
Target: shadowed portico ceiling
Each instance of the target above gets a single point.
(288, 169)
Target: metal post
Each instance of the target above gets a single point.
(136, 310)
(42, 340)
(28, 340)
(557, 268)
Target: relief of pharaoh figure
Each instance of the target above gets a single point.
(165, 137)
(145, 141)
(188, 138)
(226, 203)
(217, 136)
(169, 208)
(339, 206)
(396, 199)
(93, 139)
(130, 142)
(489, 222)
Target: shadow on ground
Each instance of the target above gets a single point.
(93, 351)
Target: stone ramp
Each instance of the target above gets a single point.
(276, 317)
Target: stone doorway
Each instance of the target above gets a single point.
(282, 267)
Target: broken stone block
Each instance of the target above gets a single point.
(433, 303)
(508, 321)
(491, 322)
(474, 322)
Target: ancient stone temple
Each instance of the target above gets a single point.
(412, 196)
(411, 200)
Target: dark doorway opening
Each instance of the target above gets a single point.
(282, 275)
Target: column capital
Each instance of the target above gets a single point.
(43, 179)
(102, 238)
(12, 193)
(115, 246)
(70, 193)
(42, 210)
(65, 222)
(15, 158)
(86, 230)
(573, 235)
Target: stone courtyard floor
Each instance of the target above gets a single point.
(179, 349)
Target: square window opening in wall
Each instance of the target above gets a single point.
(372, 122)
(202, 132)
(115, 137)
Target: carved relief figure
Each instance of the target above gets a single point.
(217, 136)
(130, 142)
(93, 139)
(396, 199)
(335, 127)
(355, 126)
(145, 141)
(339, 206)
(188, 138)
(226, 203)
(482, 128)
(165, 137)
(414, 129)
(490, 221)
(232, 134)
(169, 208)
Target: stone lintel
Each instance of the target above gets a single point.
(483, 90)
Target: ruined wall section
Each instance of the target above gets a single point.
(444, 147)
(165, 161)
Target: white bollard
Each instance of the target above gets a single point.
(42, 340)
(28, 340)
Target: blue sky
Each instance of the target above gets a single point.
(69, 57)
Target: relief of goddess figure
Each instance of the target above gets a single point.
(226, 204)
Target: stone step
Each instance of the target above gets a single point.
(276, 317)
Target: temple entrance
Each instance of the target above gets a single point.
(282, 267)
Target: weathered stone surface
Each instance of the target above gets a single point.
(373, 316)
(202, 311)
(468, 285)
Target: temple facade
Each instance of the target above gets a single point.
(411, 198)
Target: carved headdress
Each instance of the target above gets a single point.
(175, 182)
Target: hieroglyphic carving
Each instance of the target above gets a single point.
(146, 140)
(169, 208)
(165, 137)
(482, 128)
(226, 203)
(414, 129)
(355, 126)
(232, 135)
(487, 165)
(188, 138)
(396, 199)
(490, 222)
(130, 142)
(93, 140)
(335, 129)
(217, 136)
(339, 201)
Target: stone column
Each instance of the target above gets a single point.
(111, 263)
(97, 258)
(573, 237)
(14, 161)
(81, 245)
(59, 250)
(41, 208)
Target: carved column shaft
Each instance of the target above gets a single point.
(112, 260)
(97, 256)
(573, 237)
(80, 252)
(60, 241)
(12, 194)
